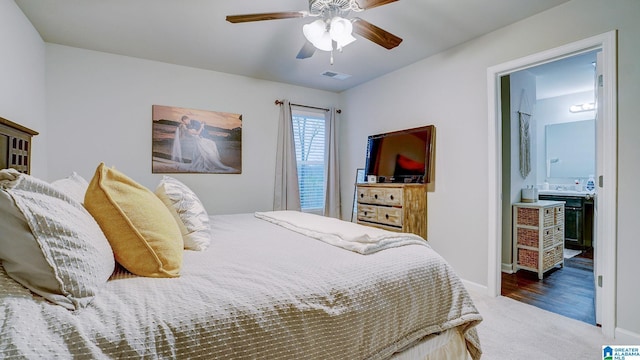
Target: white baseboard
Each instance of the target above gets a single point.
(507, 268)
(627, 337)
(475, 287)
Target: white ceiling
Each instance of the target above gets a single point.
(194, 33)
(565, 76)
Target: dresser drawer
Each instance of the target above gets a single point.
(392, 197)
(367, 212)
(390, 216)
(381, 196)
(364, 195)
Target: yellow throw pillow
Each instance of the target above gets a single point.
(145, 238)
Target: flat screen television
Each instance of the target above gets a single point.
(406, 156)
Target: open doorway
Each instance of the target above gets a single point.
(606, 168)
(557, 101)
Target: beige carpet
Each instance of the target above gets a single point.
(513, 330)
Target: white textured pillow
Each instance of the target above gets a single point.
(74, 185)
(50, 243)
(188, 211)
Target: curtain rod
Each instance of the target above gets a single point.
(278, 102)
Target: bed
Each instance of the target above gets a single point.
(252, 288)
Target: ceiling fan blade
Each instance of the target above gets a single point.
(373, 33)
(265, 16)
(369, 4)
(307, 50)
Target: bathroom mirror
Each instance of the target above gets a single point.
(571, 149)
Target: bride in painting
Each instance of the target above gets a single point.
(205, 157)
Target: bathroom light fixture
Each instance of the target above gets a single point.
(582, 107)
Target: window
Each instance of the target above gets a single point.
(309, 137)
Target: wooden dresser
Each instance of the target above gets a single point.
(538, 236)
(15, 146)
(393, 206)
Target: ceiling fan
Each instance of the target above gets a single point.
(332, 30)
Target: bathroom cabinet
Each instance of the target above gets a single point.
(578, 221)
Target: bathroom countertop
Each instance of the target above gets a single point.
(576, 193)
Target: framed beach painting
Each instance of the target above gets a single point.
(196, 141)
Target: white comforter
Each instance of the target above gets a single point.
(259, 292)
(346, 235)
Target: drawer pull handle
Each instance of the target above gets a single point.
(361, 195)
(386, 216)
(365, 213)
(391, 197)
(375, 196)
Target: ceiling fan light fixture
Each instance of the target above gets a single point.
(317, 34)
(340, 30)
(324, 43)
(322, 33)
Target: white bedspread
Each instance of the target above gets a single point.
(258, 292)
(350, 236)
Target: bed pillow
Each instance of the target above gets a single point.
(49, 243)
(74, 185)
(188, 211)
(145, 238)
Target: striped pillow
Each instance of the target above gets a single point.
(188, 211)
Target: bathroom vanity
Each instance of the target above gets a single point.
(578, 219)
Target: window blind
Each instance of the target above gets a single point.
(309, 138)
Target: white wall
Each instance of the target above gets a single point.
(22, 78)
(450, 91)
(99, 110)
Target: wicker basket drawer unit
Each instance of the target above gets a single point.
(538, 236)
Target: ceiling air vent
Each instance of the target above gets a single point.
(335, 75)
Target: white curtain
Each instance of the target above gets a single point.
(286, 195)
(332, 203)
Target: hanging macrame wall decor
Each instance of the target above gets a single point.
(524, 117)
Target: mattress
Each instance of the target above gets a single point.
(259, 291)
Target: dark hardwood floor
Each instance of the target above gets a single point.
(568, 291)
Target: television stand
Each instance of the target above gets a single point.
(397, 207)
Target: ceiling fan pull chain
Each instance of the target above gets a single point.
(331, 57)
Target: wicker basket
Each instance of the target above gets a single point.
(559, 214)
(549, 259)
(548, 238)
(559, 253)
(558, 234)
(528, 258)
(549, 217)
(527, 216)
(529, 237)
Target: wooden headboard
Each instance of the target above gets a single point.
(15, 146)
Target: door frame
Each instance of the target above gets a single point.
(607, 192)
